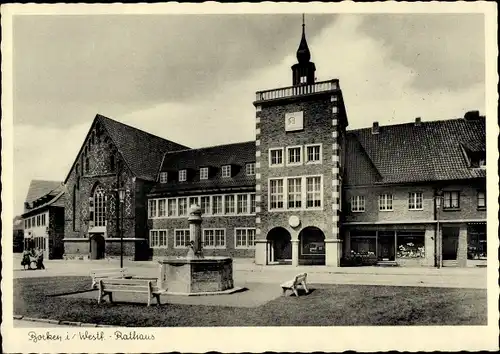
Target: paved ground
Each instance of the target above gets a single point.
(245, 271)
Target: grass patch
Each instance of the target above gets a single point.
(327, 305)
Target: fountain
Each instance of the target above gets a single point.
(196, 274)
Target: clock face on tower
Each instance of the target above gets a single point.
(294, 121)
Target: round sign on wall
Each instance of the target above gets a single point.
(294, 221)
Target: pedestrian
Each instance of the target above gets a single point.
(39, 261)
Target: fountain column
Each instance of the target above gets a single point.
(194, 219)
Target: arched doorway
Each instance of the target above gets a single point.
(311, 246)
(279, 246)
(97, 246)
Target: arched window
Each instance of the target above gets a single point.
(74, 207)
(99, 206)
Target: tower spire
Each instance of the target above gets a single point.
(303, 71)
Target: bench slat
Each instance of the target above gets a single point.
(119, 281)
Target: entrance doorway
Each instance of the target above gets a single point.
(386, 246)
(450, 243)
(312, 246)
(279, 246)
(97, 246)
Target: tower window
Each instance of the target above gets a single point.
(303, 79)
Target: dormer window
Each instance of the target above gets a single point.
(163, 177)
(203, 173)
(182, 175)
(226, 171)
(250, 169)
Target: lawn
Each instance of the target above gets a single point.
(326, 305)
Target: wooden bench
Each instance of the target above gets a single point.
(108, 286)
(97, 274)
(299, 279)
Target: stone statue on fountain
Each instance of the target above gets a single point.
(195, 244)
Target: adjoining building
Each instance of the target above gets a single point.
(43, 218)
(306, 191)
(18, 234)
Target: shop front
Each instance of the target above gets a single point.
(404, 246)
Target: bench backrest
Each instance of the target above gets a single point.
(300, 278)
(139, 285)
(108, 271)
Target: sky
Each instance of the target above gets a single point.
(192, 78)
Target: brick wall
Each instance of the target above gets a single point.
(318, 129)
(229, 223)
(468, 203)
(83, 183)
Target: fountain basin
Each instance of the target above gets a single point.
(191, 276)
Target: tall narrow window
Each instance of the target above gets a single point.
(172, 207)
(152, 212)
(276, 194)
(313, 192)
(74, 208)
(99, 206)
(294, 193)
(205, 205)
(182, 207)
(253, 204)
(87, 164)
(217, 205)
(229, 204)
(162, 207)
(112, 162)
(242, 203)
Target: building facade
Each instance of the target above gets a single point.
(306, 191)
(43, 218)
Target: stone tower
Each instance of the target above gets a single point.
(299, 165)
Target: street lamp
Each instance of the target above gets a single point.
(438, 198)
(121, 197)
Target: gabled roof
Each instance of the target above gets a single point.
(141, 150)
(237, 155)
(408, 153)
(40, 188)
(52, 193)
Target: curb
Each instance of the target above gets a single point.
(58, 322)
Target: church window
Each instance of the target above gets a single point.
(100, 206)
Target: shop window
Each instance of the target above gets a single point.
(476, 241)
(411, 244)
(363, 243)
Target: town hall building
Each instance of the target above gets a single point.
(307, 190)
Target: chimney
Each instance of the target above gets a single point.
(375, 128)
(471, 115)
(418, 121)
